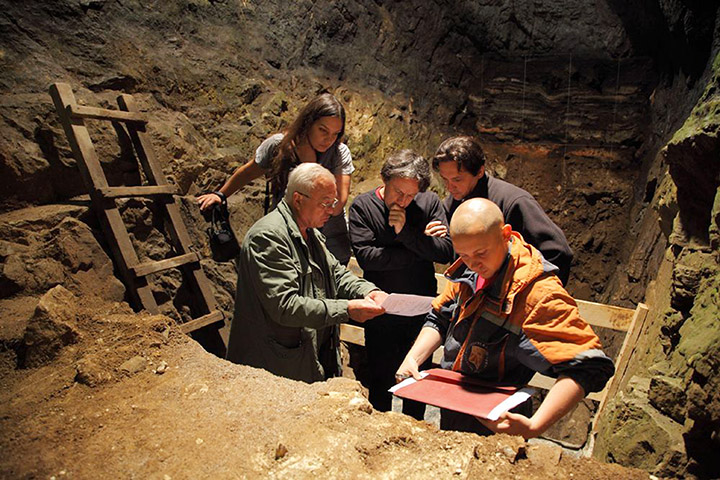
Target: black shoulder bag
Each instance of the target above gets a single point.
(223, 244)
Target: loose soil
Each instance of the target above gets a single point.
(114, 394)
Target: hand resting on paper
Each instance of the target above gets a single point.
(426, 343)
(561, 398)
(377, 296)
(408, 368)
(364, 309)
(511, 424)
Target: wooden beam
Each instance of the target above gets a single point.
(623, 360)
(148, 268)
(138, 191)
(81, 111)
(546, 383)
(352, 334)
(205, 320)
(608, 316)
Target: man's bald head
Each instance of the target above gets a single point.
(480, 236)
(476, 216)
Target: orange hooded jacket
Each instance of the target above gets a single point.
(523, 322)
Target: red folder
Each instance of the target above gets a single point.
(462, 393)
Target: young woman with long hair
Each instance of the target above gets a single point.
(314, 136)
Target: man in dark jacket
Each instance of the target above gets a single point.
(292, 293)
(460, 162)
(387, 232)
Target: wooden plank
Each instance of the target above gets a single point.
(138, 191)
(81, 111)
(597, 314)
(356, 335)
(148, 268)
(608, 316)
(546, 383)
(354, 267)
(198, 323)
(623, 360)
(143, 147)
(78, 138)
(438, 355)
(352, 334)
(94, 178)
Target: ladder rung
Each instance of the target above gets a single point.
(139, 191)
(81, 111)
(147, 268)
(203, 321)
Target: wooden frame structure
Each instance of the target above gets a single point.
(103, 198)
(630, 321)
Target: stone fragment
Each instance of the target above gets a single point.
(161, 368)
(91, 373)
(52, 327)
(668, 395)
(544, 456)
(361, 403)
(280, 451)
(134, 365)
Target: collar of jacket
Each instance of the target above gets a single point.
(313, 235)
(287, 214)
(522, 266)
(481, 188)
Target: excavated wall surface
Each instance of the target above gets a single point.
(577, 104)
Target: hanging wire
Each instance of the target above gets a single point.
(613, 126)
(567, 121)
(482, 78)
(522, 110)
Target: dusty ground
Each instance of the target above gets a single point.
(106, 393)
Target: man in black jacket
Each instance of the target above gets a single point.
(393, 230)
(460, 162)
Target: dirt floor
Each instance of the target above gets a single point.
(93, 390)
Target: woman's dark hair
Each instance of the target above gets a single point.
(465, 151)
(407, 164)
(324, 105)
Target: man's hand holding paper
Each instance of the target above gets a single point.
(407, 305)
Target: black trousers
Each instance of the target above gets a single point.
(388, 339)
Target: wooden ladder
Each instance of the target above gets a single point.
(103, 198)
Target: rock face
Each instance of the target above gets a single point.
(577, 105)
(46, 246)
(674, 418)
(558, 95)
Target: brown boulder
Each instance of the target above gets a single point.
(52, 327)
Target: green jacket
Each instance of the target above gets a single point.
(286, 302)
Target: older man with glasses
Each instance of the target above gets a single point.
(292, 293)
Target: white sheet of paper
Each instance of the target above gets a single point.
(406, 382)
(407, 305)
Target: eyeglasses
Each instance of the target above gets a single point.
(332, 204)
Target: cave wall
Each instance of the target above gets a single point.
(558, 94)
(666, 419)
(576, 101)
